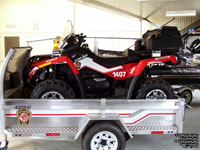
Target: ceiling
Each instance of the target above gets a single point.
(149, 10)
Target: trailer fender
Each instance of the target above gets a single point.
(94, 118)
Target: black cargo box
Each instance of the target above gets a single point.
(167, 40)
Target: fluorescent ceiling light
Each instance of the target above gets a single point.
(181, 13)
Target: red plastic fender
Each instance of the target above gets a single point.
(142, 64)
(135, 69)
(47, 62)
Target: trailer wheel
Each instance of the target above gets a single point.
(4, 147)
(52, 89)
(155, 88)
(187, 95)
(104, 136)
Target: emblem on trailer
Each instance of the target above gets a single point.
(24, 117)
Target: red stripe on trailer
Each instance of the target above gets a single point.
(11, 114)
(157, 132)
(162, 113)
(50, 114)
(125, 114)
(52, 134)
(58, 114)
(150, 114)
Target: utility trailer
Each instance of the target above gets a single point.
(101, 123)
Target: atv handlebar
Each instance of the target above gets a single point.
(81, 38)
(73, 41)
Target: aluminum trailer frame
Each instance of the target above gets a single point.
(70, 119)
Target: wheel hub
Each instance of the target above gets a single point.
(104, 140)
(156, 94)
(52, 95)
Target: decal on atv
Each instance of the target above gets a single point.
(119, 74)
(89, 63)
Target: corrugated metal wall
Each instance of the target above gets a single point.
(182, 22)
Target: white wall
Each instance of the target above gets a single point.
(38, 19)
(33, 19)
(98, 23)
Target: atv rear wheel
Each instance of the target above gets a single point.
(155, 88)
(52, 89)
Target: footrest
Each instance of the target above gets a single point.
(162, 129)
(30, 131)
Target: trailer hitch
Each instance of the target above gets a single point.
(4, 145)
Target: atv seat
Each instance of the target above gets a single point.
(128, 56)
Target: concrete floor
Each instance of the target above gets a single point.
(139, 142)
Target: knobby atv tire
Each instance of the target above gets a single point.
(52, 85)
(153, 84)
(104, 127)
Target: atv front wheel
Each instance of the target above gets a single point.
(52, 89)
(155, 88)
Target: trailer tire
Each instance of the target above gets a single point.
(5, 146)
(52, 89)
(187, 95)
(105, 134)
(155, 88)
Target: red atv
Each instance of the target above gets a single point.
(76, 72)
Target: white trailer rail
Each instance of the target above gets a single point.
(73, 119)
